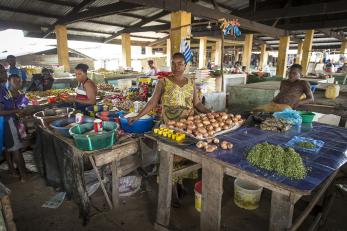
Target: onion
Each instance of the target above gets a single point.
(210, 133)
(221, 124)
(209, 127)
(219, 119)
(199, 125)
(226, 127)
(216, 140)
(199, 136)
(179, 124)
(206, 122)
(225, 117)
(211, 148)
(218, 129)
(215, 125)
(189, 131)
(202, 130)
(229, 121)
(209, 141)
(189, 122)
(196, 117)
(183, 120)
(171, 122)
(238, 117)
(201, 144)
(235, 120)
(191, 127)
(190, 118)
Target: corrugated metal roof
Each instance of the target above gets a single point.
(235, 4)
(99, 3)
(146, 12)
(99, 35)
(94, 27)
(124, 20)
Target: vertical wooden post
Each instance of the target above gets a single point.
(247, 51)
(180, 25)
(343, 47)
(299, 54)
(202, 52)
(282, 56)
(62, 47)
(263, 56)
(281, 213)
(168, 52)
(165, 190)
(218, 53)
(306, 51)
(115, 165)
(212, 192)
(126, 50)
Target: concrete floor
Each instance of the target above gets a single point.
(138, 212)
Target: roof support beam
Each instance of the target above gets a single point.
(302, 11)
(30, 12)
(137, 25)
(333, 34)
(338, 23)
(204, 12)
(60, 2)
(128, 14)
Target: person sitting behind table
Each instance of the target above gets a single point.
(11, 108)
(41, 82)
(291, 91)
(152, 69)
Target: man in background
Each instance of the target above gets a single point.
(13, 70)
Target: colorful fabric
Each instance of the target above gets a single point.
(186, 51)
(177, 102)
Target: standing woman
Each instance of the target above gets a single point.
(10, 103)
(86, 89)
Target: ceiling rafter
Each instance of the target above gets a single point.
(137, 25)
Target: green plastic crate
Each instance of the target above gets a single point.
(94, 141)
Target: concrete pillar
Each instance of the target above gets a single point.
(306, 51)
(247, 51)
(282, 56)
(343, 47)
(202, 52)
(168, 52)
(149, 51)
(263, 56)
(62, 47)
(299, 54)
(126, 50)
(218, 53)
(180, 26)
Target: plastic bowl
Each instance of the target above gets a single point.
(44, 118)
(307, 117)
(89, 141)
(60, 125)
(139, 126)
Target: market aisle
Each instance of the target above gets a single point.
(138, 212)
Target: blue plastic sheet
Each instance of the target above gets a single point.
(293, 143)
(322, 164)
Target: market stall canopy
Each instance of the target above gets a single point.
(105, 20)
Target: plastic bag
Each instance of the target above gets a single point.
(291, 116)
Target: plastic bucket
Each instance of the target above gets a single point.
(246, 194)
(197, 190)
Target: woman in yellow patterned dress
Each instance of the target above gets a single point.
(179, 99)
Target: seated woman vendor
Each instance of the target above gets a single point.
(291, 92)
(86, 90)
(177, 94)
(179, 99)
(10, 108)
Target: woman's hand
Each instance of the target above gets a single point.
(132, 119)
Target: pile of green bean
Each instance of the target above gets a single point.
(305, 144)
(285, 162)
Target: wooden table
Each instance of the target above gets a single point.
(67, 161)
(283, 197)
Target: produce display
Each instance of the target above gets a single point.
(305, 144)
(205, 126)
(285, 162)
(170, 134)
(211, 145)
(53, 92)
(105, 87)
(273, 124)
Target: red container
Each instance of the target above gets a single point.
(52, 99)
(98, 125)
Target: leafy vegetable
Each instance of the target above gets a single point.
(305, 144)
(285, 162)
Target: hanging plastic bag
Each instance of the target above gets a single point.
(291, 116)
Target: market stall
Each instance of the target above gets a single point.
(286, 191)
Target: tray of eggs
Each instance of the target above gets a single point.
(207, 126)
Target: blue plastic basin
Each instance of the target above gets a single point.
(139, 126)
(60, 125)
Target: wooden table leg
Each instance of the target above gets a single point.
(212, 191)
(165, 189)
(101, 183)
(281, 214)
(115, 182)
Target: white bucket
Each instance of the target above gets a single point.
(246, 194)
